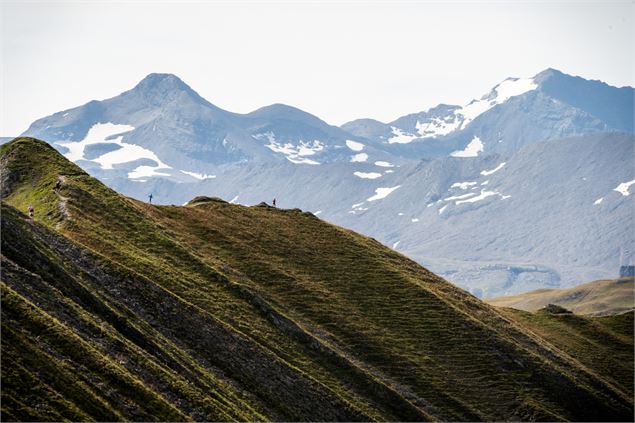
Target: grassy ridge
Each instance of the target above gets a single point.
(602, 344)
(596, 298)
(223, 312)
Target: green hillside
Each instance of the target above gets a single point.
(113, 309)
(596, 298)
(603, 344)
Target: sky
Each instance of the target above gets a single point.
(338, 60)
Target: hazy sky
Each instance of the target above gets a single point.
(340, 61)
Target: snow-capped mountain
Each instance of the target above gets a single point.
(528, 186)
(163, 128)
(516, 112)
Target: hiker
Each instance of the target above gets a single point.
(31, 212)
(274, 202)
(58, 185)
(150, 197)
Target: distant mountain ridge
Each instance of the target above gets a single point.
(163, 108)
(552, 105)
(433, 172)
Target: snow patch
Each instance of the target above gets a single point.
(381, 193)
(507, 89)
(471, 150)
(415, 220)
(295, 153)
(146, 172)
(513, 87)
(400, 137)
(483, 195)
(199, 176)
(598, 201)
(461, 117)
(442, 209)
(96, 134)
(438, 126)
(358, 207)
(624, 187)
(354, 145)
(459, 197)
(384, 164)
(496, 169)
(367, 175)
(103, 133)
(462, 185)
(361, 157)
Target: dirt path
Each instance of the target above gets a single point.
(62, 201)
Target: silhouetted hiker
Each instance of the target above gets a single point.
(150, 197)
(58, 185)
(31, 212)
(274, 202)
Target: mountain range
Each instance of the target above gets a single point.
(524, 188)
(114, 309)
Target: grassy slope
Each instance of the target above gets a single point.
(594, 298)
(602, 344)
(218, 311)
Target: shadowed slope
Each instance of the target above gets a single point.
(602, 344)
(274, 312)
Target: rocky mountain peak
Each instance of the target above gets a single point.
(161, 82)
(162, 87)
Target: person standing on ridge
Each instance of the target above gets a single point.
(274, 202)
(150, 198)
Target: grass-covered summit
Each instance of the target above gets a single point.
(114, 309)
